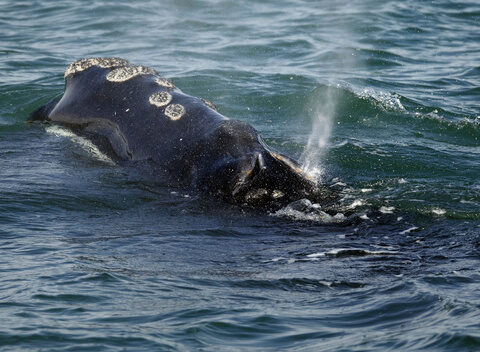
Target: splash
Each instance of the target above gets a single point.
(305, 210)
(384, 100)
(323, 110)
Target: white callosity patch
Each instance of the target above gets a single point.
(160, 99)
(209, 104)
(125, 73)
(277, 194)
(164, 82)
(83, 64)
(175, 111)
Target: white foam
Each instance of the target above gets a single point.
(316, 255)
(82, 142)
(305, 210)
(438, 211)
(385, 100)
(352, 251)
(408, 230)
(387, 210)
(356, 203)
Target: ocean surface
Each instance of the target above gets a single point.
(381, 99)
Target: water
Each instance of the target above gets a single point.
(96, 258)
(323, 112)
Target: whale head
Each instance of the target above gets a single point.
(244, 170)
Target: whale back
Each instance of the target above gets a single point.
(150, 112)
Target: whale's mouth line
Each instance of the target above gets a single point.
(246, 179)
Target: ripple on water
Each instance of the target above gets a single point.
(94, 257)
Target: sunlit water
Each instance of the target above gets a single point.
(380, 99)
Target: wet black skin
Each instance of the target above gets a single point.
(202, 149)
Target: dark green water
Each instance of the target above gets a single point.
(95, 258)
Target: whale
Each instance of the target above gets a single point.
(141, 119)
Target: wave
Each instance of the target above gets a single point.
(84, 143)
